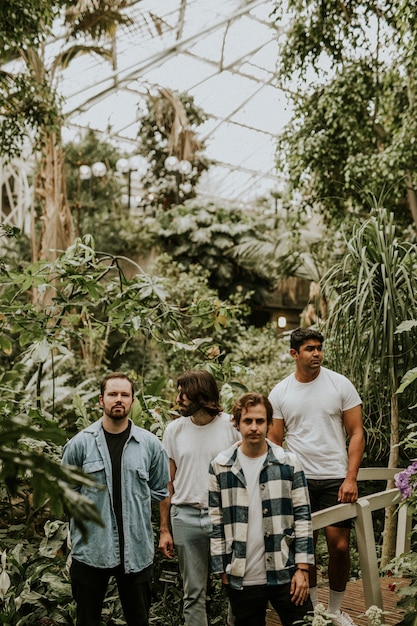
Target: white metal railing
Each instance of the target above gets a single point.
(361, 513)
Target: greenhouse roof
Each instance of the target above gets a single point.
(224, 54)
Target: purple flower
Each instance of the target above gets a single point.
(406, 481)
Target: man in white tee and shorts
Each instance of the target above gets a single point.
(315, 408)
(191, 441)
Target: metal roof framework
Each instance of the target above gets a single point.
(224, 54)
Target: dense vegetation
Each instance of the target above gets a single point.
(176, 283)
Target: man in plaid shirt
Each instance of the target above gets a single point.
(262, 539)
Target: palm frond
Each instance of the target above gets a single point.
(96, 18)
(63, 59)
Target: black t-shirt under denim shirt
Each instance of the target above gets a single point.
(115, 444)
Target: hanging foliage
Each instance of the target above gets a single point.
(349, 70)
(168, 138)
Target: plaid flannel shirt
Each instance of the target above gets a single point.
(287, 527)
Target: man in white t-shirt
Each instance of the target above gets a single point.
(315, 408)
(262, 539)
(191, 441)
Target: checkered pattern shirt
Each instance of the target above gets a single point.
(286, 513)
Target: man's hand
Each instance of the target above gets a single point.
(348, 491)
(166, 544)
(299, 588)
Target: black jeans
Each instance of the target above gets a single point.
(89, 586)
(250, 603)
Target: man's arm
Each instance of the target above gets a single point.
(166, 543)
(303, 530)
(70, 457)
(352, 420)
(159, 475)
(276, 431)
(217, 538)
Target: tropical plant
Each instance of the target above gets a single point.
(168, 139)
(23, 27)
(206, 235)
(30, 104)
(22, 23)
(292, 245)
(51, 352)
(96, 200)
(34, 586)
(29, 101)
(26, 444)
(265, 355)
(372, 289)
(405, 565)
(210, 333)
(411, 376)
(354, 119)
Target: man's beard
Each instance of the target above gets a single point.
(118, 413)
(189, 409)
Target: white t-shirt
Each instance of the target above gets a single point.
(312, 414)
(255, 570)
(192, 448)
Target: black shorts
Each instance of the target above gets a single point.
(323, 494)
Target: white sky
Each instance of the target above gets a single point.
(226, 61)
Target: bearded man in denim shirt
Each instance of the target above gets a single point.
(131, 468)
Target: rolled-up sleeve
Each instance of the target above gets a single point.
(159, 475)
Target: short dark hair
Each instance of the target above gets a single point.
(115, 375)
(201, 387)
(300, 335)
(251, 398)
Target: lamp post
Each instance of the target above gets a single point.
(87, 172)
(182, 170)
(98, 170)
(134, 168)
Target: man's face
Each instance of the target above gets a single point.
(186, 406)
(310, 355)
(253, 425)
(117, 399)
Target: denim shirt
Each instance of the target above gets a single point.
(145, 475)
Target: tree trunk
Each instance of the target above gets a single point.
(57, 224)
(412, 198)
(390, 527)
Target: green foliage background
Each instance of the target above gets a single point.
(174, 287)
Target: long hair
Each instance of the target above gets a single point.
(200, 386)
(251, 399)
